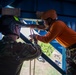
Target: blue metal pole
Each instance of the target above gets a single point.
(44, 56)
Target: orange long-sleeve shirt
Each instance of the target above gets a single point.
(59, 31)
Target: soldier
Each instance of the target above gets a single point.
(12, 53)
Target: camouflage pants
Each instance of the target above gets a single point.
(71, 61)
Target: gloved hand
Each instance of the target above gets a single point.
(33, 36)
(32, 26)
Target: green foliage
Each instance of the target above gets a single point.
(46, 48)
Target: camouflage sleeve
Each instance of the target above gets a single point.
(29, 52)
(20, 51)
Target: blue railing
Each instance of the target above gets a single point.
(45, 57)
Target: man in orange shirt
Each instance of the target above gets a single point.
(58, 30)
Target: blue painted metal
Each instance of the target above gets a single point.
(4, 3)
(61, 49)
(44, 56)
(53, 64)
(65, 8)
(0, 36)
(41, 32)
(54, 43)
(64, 59)
(57, 46)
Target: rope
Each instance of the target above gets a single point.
(32, 32)
(30, 68)
(30, 72)
(37, 24)
(34, 67)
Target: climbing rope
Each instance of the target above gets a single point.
(35, 43)
(34, 67)
(30, 68)
(37, 24)
(32, 32)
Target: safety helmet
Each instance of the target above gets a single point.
(8, 24)
(49, 14)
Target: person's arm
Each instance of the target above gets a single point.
(20, 51)
(26, 51)
(55, 30)
(30, 52)
(41, 27)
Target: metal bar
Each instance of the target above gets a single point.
(44, 56)
(52, 63)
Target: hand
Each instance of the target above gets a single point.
(32, 26)
(33, 36)
(31, 40)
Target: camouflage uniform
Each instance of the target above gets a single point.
(71, 61)
(12, 55)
